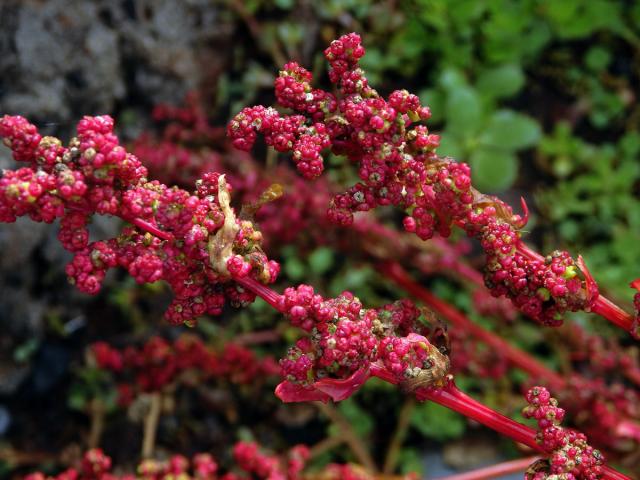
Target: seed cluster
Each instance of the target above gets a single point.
(570, 456)
(192, 240)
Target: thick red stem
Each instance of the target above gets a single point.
(493, 471)
(517, 357)
(612, 312)
(267, 294)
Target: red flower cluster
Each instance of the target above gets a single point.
(248, 457)
(398, 166)
(191, 240)
(348, 343)
(159, 363)
(570, 454)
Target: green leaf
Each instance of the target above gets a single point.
(502, 81)
(597, 58)
(359, 419)
(463, 111)
(294, 268)
(493, 170)
(321, 260)
(411, 461)
(511, 131)
(437, 422)
(451, 145)
(452, 80)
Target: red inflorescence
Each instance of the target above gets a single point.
(158, 363)
(181, 237)
(249, 459)
(345, 340)
(570, 456)
(398, 166)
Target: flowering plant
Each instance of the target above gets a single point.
(209, 254)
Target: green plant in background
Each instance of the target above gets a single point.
(475, 128)
(595, 203)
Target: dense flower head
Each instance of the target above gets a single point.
(192, 240)
(569, 453)
(398, 165)
(347, 343)
(159, 363)
(249, 459)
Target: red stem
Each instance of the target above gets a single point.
(612, 312)
(451, 397)
(267, 294)
(150, 228)
(493, 471)
(517, 357)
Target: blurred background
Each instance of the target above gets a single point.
(540, 97)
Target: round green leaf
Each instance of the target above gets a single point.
(436, 422)
(321, 260)
(492, 169)
(502, 81)
(451, 146)
(510, 130)
(463, 111)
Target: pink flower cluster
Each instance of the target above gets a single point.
(361, 124)
(571, 457)
(348, 343)
(398, 166)
(249, 460)
(158, 363)
(191, 240)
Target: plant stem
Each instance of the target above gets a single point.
(493, 471)
(267, 294)
(97, 423)
(150, 228)
(517, 357)
(350, 436)
(404, 419)
(612, 312)
(151, 424)
(257, 338)
(325, 445)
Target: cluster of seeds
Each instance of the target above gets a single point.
(192, 240)
(159, 363)
(398, 165)
(345, 340)
(570, 456)
(250, 462)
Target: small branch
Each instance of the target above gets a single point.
(612, 312)
(350, 436)
(151, 424)
(404, 418)
(150, 228)
(97, 423)
(257, 338)
(325, 445)
(493, 471)
(267, 294)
